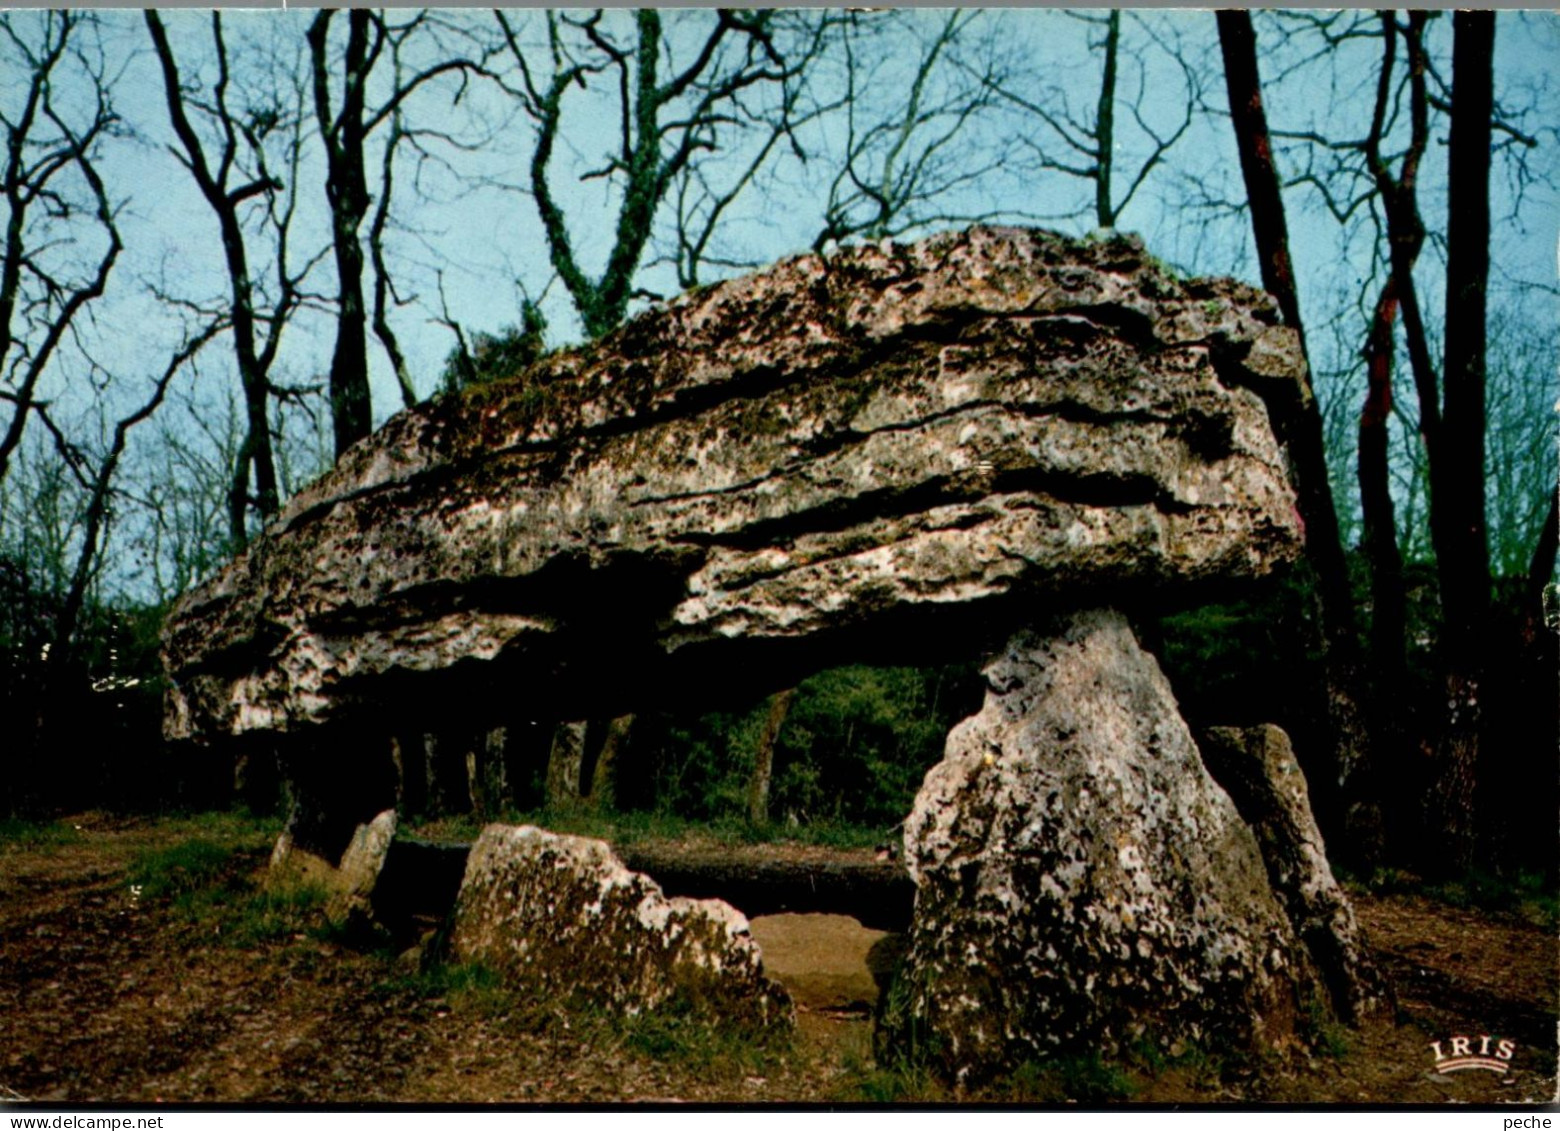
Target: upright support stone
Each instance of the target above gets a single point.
(602, 769)
(409, 756)
(565, 763)
(339, 779)
(493, 770)
(1082, 884)
(1257, 766)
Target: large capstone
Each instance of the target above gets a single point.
(1082, 884)
(885, 451)
(566, 925)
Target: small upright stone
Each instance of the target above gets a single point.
(1257, 766)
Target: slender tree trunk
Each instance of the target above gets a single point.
(1541, 570)
(1105, 125)
(346, 190)
(1388, 612)
(255, 451)
(1457, 492)
(1299, 426)
(764, 756)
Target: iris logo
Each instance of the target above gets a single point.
(1493, 1055)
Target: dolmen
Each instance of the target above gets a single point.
(998, 443)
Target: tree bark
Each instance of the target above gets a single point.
(346, 190)
(1388, 611)
(1541, 570)
(1457, 526)
(1105, 124)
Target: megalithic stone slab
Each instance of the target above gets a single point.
(568, 926)
(1082, 884)
(1258, 768)
(836, 459)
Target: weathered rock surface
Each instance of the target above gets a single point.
(1258, 768)
(842, 457)
(349, 877)
(1082, 883)
(566, 924)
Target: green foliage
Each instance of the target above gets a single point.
(272, 914)
(471, 989)
(891, 1084)
(494, 356)
(179, 870)
(637, 826)
(674, 1032)
(1530, 895)
(1325, 1034)
(848, 759)
(24, 834)
(211, 885)
(1085, 1078)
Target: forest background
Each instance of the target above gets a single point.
(235, 242)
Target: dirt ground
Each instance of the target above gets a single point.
(108, 995)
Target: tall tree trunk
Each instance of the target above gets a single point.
(1457, 526)
(1105, 125)
(346, 190)
(1299, 426)
(1388, 612)
(1541, 570)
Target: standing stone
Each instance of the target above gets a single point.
(565, 923)
(1257, 766)
(616, 737)
(1082, 884)
(565, 764)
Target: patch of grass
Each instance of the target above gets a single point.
(1324, 1033)
(179, 870)
(210, 885)
(1084, 1078)
(37, 834)
(236, 826)
(677, 1032)
(1529, 895)
(894, 1084)
(276, 913)
(469, 988)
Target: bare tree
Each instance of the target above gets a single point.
(667, 114)
(911, 103)
(101, 484)
(705, 192)
(344, 132)
(238, 169)
(1299, 426)
(1398, 196)
(1086, 146)
(1457, 520)
(53, 195)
